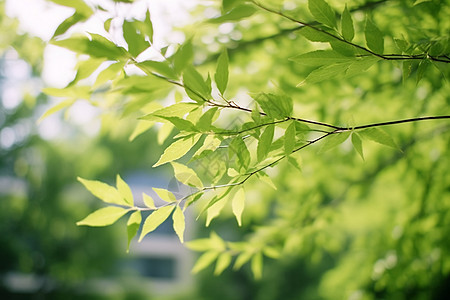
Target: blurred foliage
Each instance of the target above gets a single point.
(44, 255)
(359, 221)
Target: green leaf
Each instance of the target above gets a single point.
(420, 1)
(99, 46)
(223, 261)
(186, 175)
(221, 76)
(257, 265)
(275, 106)
(68, 23)
(228, 5)
(195, 86)
(80, 6)
(133, 225)
(164, 132)
(180, 124)
(103, 216)
(348, 31)
(271, 252)
(135, 40)
(295, 161)
(334, 140)
(256, 115)
(205, 121)
(401, 44)
(103, 191)
(238, 147)
(266, 179)
(165, 195)
(264, 142)
(73, 91)
(148, 201)
(211, 143)
(241, 260)
(289, 138)
(320, 58)
(124, 190)
(204, 261)
(175, 110)
(238, 204)
(406, 69)
(423, 66)
(315, 35)
(360, 65)
(345, 49)
(378, 135)
(146, 27)
(374, 37)
(357, 144)
(179, 223)
(183, 57)
(177, 149)
(161, 67)
(235, 14)
(326, 72)
(141, 127)
(109, 73)
(107, 24)
(200, 244)
(215, 209)
(155, 219)
(56, 108)
(322, 12)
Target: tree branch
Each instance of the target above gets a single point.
(441, 58)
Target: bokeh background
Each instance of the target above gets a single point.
(352, 229)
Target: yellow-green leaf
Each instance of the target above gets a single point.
(211, 142)
(241, 260)
(124, 190)
(374, 37)
(109, 73)
(141, 127)
(165, 195)
(179, 223)
(257, 265)
(333, 140)
(289, 138)
(148, 201)
(80, 6)
(223, 261)
(103, 191)
(265, 142)
(221, 76)
(238, 204)
(177, 149)
(186, 175)
(204, 261)
(155, 219)
(103, 216)
(133, 226)
(357, 144)
(348, 32)
(380, 136)
(215, 210)
(55, 108)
